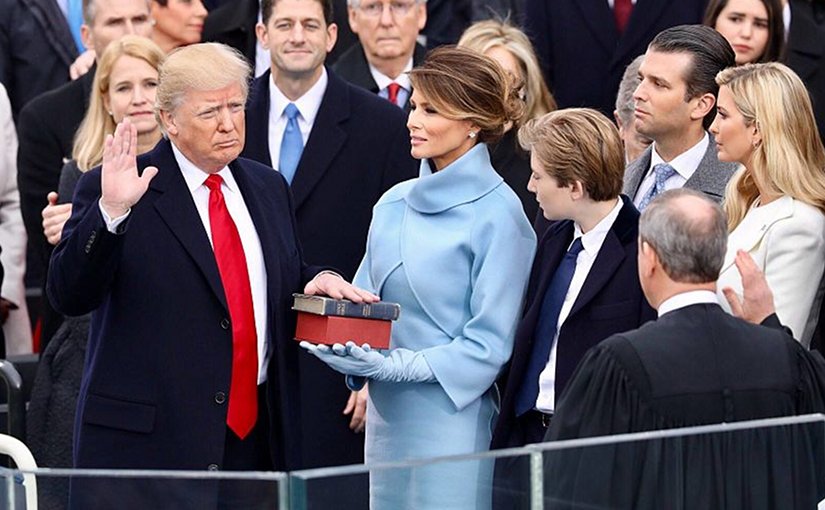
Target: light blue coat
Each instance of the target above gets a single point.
(455, 249)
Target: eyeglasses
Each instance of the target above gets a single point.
(376, 9)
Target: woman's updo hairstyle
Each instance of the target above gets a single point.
(462, 84)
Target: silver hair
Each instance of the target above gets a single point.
(690, 241)
(625, 104)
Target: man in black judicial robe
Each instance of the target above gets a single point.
(695, 365)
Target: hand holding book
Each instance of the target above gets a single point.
(333, 285)
(401, 365)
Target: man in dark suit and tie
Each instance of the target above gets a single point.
(694, 365)
(341, 148)
(675, 104)
(387, 47)
(584, 285)
(187, 257)
(585, 45)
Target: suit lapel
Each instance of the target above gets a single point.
(611, 254)
(749, 233)
(711, 175)
(325, 140)
(259, 202)
(635, 172)
(257, 121)
(553, 247)
(598, 16)
(55, 28)
(177, 210)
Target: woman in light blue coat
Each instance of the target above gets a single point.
(454, 248)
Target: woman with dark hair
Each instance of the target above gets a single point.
(753, 28)
(454, 248)
(177, 23)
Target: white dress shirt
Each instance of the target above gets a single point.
(685, 165)
(591, 243)
(195, 179)
(692, 297)
(308, 106)
(403, 79)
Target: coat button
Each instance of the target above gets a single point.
(212, 467)
(220, 397)
(225, 323)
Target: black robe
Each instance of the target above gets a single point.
(693, 366)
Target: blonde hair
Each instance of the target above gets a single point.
(203, 66)
(790, 160)
(578, 144)
(463, 84)
(88, 142)
(486, 35)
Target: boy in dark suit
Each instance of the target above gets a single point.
(584, 285)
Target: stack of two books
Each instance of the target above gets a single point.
(323, 320)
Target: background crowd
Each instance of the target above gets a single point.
(506, 170)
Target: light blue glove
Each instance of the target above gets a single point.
(402, 365)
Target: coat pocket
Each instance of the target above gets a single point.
(119, 414)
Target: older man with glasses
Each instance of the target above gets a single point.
(387, 31)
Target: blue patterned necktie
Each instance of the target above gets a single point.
(663, 172)
(292, 144)
(546, 328)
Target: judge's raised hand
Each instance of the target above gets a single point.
(54, 217)
(757, 299)
(121, 185)
(332, 285)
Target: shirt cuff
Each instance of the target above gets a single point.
(112, 223)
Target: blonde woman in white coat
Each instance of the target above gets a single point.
(776, 201)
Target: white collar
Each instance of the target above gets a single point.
(592, 241)
(308, 104)
(691, 297)
(195, 177)
(382, 80)
(685, 163)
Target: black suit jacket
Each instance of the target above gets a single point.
(36, 49)
(352, 66)
(580, 48)
(805, 53)
(610, 301)
(358, 148)
(160, 348)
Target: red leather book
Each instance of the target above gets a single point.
(331, 329)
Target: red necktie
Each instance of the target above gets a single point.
(392, 93)
(621, 11)
(243, 390)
